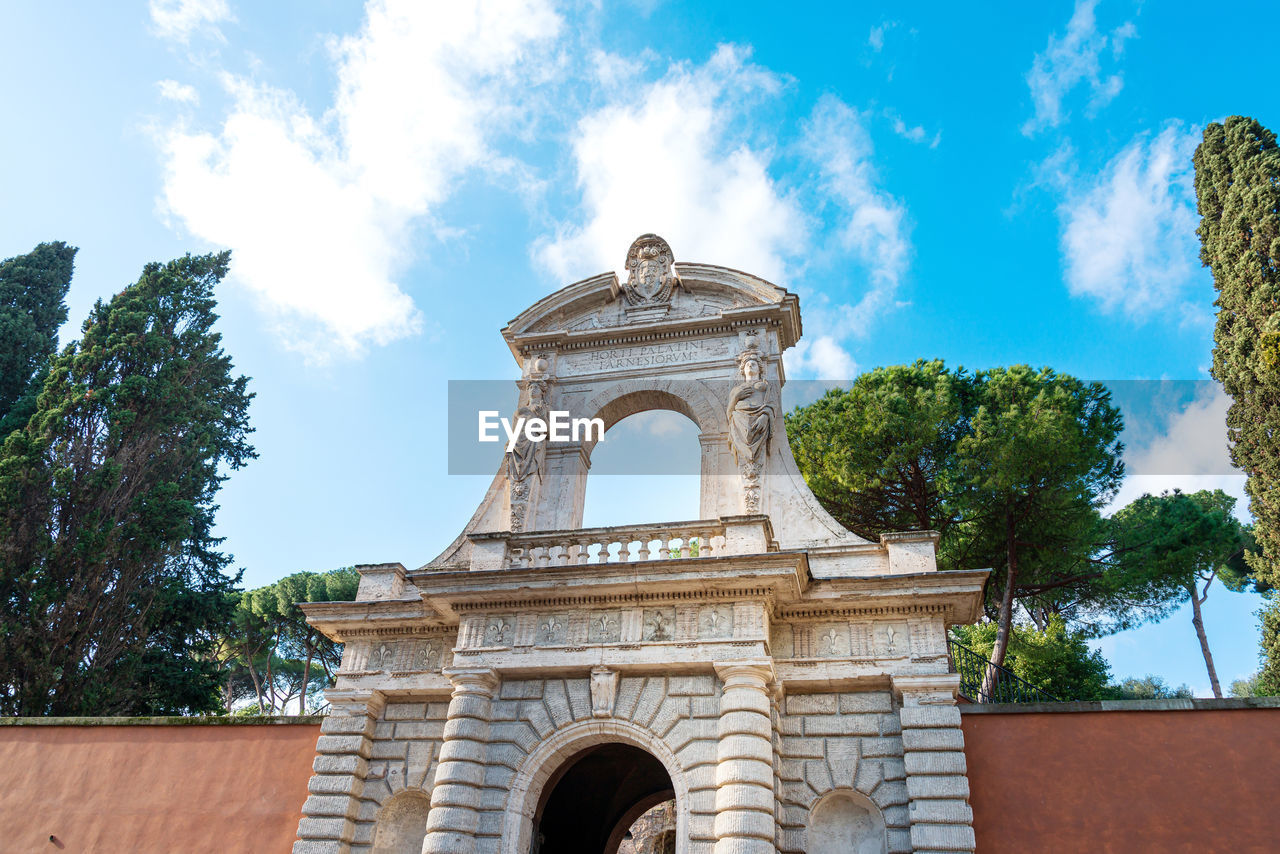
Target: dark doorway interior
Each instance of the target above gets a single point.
(593, 793)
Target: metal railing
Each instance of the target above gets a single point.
(1005, 686)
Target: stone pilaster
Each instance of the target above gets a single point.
(933, 753)
(745, 802)
(342, 753)
(455, 796)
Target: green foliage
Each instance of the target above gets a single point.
(33, 288)
(1148, 688)
(1056, 660)
(1167, 546)
(270, 654)
(1267, 681)
(1238, 194)
(881, 455)
(1010, 465)
(112, 589)
(1249, 687)
(1169, 549)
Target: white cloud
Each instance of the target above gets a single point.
(1128, 236)
(668, 157)
(875, 227)
(876, 39)
(318, 211)
(1189, 453)
(179, 19)
(821, 357)
(172, 90)
(911, 133)
(1071, 60)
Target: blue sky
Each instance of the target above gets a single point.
(986, 184)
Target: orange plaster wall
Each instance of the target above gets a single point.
(153, 789)
(1123, 782)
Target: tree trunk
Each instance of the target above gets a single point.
(1005, 620)
(306, 677)
(1197, 619)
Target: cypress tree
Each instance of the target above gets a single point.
(1238, 194)
(33, 288)
(112, 585)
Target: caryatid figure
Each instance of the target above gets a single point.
(750, 413)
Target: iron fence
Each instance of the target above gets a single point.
(1002, 687)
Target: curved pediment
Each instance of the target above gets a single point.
(658, 291)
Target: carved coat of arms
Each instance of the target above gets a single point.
(650, 271)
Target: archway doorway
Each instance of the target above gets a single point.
(590, 802)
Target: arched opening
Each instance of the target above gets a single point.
(845, 822)
(402, 824)
(654, 832)
(646, 469)
(593, 798)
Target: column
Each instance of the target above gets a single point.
(933, 752)
(455, 796)
(745, 800)
(342, 753)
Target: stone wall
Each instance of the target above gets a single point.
(828, 742)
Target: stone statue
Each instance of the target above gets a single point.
(523, 459)
(750, 414)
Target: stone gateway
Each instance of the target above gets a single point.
(779, 683)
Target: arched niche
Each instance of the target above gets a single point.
(845, 822)
(402, 823)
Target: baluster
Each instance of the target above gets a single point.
(519, 558)
(543, 555)
(704, 544)
(624, 551)
(664, 545)
(603, 557)
(562, 555)
(684, 545)
(643, 554)
(584, 551)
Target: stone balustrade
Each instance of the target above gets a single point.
(703, 538)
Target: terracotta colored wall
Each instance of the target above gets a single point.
(1125, 781)
(153, 789)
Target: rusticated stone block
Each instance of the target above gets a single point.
(930, 716)
(932, 739)
(812, 704)
(920, 786)
(941, 812)
(866, 701)
(343, 764)
(930, 762)
(875, 747)
(841, 724)
(942, 837)
(405, 711)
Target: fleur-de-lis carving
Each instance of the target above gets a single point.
(550, 628)
(382, 657)
(428, 654)
(829, 640)
(658, 627)
(499, 630)
(605, 623)
(891, 634)
(714, 619)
